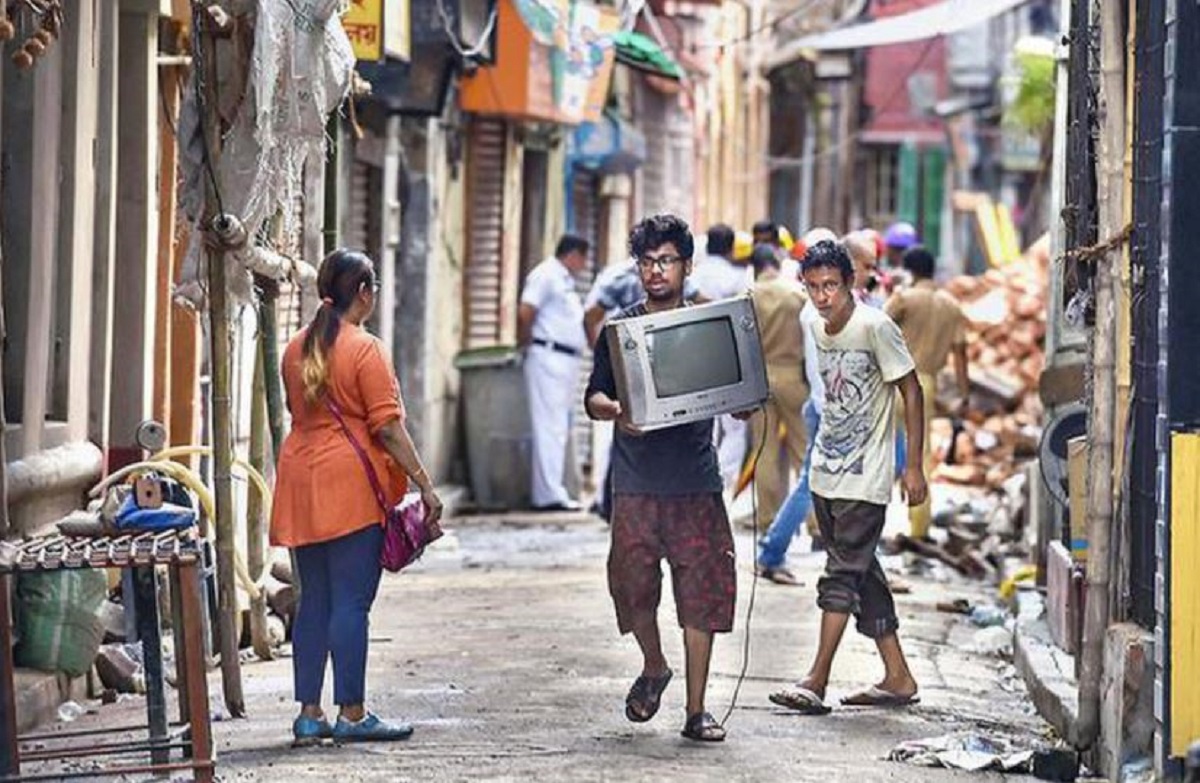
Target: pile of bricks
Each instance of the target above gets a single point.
(1006, 315)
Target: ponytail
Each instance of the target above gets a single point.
(342, 275)
(314, 361)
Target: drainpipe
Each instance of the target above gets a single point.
(1110, 192)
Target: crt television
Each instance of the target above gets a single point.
(688, 364)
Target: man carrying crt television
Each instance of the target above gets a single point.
(863, 360)
(666, 503)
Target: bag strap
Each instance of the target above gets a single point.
(372, 476)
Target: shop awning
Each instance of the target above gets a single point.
(944, 18)
(641, 52)
(610, 146)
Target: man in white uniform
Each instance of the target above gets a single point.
(550, 326)
(718, 277)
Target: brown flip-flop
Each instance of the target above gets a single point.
(878, 697)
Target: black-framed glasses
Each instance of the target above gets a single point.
(828, 288)
(647, 262)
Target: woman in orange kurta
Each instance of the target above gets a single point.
(325, 509)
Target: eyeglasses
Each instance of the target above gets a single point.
(828, 288)
(645, 263)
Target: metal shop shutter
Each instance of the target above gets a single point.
(585, 221)
(485, 221)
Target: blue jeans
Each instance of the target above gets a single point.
(338, 582)
(774, 545)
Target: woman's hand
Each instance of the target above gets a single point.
(433, 507)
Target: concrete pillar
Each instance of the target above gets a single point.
(137, 231)
(30, 208)
(430, 311)
(104, 235)
(80, 116)
(389, 238)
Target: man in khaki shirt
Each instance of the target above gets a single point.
(933, 326)
(777, 306)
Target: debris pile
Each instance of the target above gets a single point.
(1006, 316)
(979, 460)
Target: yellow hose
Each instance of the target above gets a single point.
(161, 462)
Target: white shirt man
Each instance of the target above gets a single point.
(550, 324)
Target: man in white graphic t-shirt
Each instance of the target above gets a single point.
(862, 359)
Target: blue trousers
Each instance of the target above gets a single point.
(338, 582)
(772, 549)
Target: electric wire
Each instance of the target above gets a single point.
(741, 678)
(199, 65)
(467, 52)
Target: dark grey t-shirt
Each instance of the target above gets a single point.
(677, 460)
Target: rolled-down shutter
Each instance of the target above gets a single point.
(485, 219)
(358, 209)
(585, 221)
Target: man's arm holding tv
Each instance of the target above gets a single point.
(600, 400)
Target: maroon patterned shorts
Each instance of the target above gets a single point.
(692, 533)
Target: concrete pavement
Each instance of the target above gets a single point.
(501, 648)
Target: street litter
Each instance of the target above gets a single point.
(70, 711)
(966, 751)
(996, 640)
(987, 616)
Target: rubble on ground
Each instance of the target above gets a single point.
(1006, 329)
(981, 458)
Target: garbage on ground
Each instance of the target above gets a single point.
(975, 752)
(996, 640)
(988, 616)
(957, 606)
(70, 711)
(1058, 764)
(966, 751)
(121, 667)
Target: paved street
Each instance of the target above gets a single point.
(501, 648)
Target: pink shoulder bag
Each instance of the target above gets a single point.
(405, 534)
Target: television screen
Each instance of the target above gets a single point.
(693, 357)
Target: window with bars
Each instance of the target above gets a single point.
(883, 184)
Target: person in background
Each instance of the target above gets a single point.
(862, 249)
(550, 328)
(718, 276)
(324, 508)
(934, 327)
(863, 361)
(772, 549)
(777, 306)
(666, 503)
(869, 291)
(765, 232)
(898, 238)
